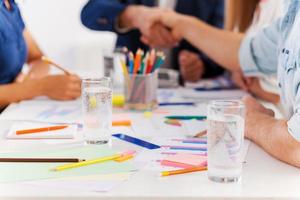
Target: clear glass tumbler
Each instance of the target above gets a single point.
(226, 125)
(97, 110)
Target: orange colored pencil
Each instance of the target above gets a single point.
(183, 171)
(38, 130)
(137, 61)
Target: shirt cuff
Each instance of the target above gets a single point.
(293, 126)
(246, 58)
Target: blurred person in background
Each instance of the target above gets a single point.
(17, 47)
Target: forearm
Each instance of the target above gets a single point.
(38, 69)
(273, 136)
(16, 92)
(220, 45)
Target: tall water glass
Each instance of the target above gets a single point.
(97, 110)
(226, 125)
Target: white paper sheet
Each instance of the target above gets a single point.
(45, 111)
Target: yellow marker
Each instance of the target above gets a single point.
(147, 114)
(93, 102)
(118, 100)
(88, 162)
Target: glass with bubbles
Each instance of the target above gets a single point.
(97, 110)
(225, 132)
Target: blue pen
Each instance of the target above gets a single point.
(177, 104)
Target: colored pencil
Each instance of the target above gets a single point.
(177, 104)
(137, 61)
(124, 69)
(47, 160)
(51, 62)
(38, 130)
(185, 148)
(187, 117)
(87, 162)
(183, 171)
(151, 62)
(131, 62)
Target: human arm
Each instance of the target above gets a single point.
(59, 87)
(38, 68)
(210, 40)
(271, 134)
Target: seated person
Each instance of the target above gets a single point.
(272, 50)
(17, 47)
(128, 18)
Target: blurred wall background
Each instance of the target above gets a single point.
(56, 26)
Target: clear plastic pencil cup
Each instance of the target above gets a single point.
(97, 110)
(141, 91)
(225, 134)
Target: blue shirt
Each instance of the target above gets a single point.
(276, 49)
(13, 50)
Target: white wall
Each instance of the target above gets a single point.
(56, 26)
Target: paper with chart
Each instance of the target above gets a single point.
(66, 133)
(45, 111)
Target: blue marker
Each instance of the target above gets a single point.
(136, 141)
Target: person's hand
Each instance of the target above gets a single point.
(252, 105)
(253, 110)
(191, 66)
(240, 81)
(175, 22)
(256, 89)
(61, 87)
(147, 21)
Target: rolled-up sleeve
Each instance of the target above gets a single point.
(294, 86)
(293, 126)
(258, 53)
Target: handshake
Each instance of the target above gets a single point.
(159, 27)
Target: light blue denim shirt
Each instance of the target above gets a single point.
(276, 49)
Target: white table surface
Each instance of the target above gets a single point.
(263, 178)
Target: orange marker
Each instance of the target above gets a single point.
(121, 123)
(50, 62)
(38, 130)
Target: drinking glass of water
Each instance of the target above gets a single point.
(97, 110)
(226, 125)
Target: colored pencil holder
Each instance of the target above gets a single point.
(141, 91)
